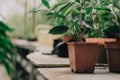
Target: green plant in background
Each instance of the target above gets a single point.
(104, 18)
(100, 11)
(111, 18)
(7, 55)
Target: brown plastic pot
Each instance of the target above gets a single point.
(101, 55)
(82, 56)
(113, 53)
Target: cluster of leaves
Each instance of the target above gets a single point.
(107, 18)
(113, 19)
(83, 18)
(70, 17)
(7, 55)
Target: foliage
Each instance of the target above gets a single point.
(46, 3)
(112, 19)
(7, 55)
(84, 18)
(71, 17)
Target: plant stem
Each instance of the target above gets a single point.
(25, 15)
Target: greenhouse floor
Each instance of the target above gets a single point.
(66, 74)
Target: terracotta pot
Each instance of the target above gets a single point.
(82, 56)
(101, 55)
(113, 53)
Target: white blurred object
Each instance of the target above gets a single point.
(43, 36)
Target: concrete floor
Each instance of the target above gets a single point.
(66, 74)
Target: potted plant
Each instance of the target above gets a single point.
(102, 22)
(76, 17)
(113, 48)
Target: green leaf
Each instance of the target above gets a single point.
(56, 15)
(3, 33)
(57, 5)
(88, 10)
(4, 27)
(50, 14)
(106, 9)
(90, 24)
(117, 6)
(58, 30)
(7, 54)
(2, 55)
(45, 3)
(65, 10)
(35, 11)
(63, 7)
(74, 23)
(77, 1)
(75, 13)
(9, 67)
(60, 16)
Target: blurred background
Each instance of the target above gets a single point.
(27, 19)
(24, 27)
(22, 16)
